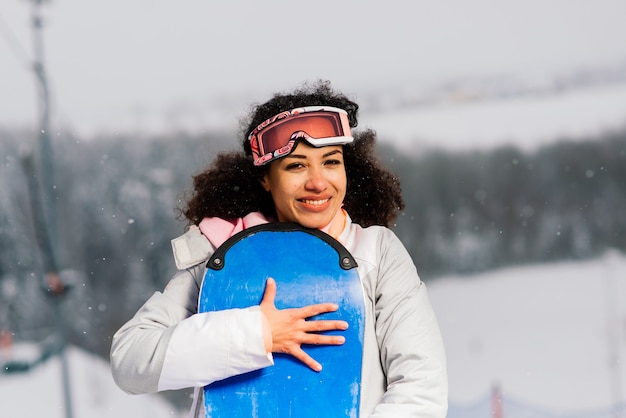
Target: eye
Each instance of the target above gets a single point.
(333, 161)
(294, 166)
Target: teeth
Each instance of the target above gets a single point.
(315, 202)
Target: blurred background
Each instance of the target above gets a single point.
(505, 121)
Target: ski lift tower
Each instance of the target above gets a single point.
(44, 209)
(45, 145)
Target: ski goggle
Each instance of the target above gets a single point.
(317, 125)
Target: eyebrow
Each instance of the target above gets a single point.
(328, 154)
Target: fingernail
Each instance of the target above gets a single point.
(318, 368)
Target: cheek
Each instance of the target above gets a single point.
(341, 183)
(282, 190)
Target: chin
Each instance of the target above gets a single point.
(312, 223)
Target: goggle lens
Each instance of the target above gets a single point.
(319, 126)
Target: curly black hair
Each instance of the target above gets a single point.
(230, 187)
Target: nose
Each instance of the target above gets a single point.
(317, 181)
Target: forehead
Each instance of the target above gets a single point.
(304, 150)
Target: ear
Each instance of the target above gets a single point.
(265, 182)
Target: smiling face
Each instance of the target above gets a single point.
(307, 186)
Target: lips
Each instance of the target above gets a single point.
(314, 202)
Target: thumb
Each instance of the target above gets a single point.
(270, 292)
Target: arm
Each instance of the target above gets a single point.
(166, 345)
(411, 347)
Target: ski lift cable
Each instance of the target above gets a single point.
(19, 52)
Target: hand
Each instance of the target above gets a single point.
(290, 329)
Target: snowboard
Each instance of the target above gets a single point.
(309, 267)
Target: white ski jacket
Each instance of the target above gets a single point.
(168, 345)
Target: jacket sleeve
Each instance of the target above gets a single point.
(167, 345)
(411, 348)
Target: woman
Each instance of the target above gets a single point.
(300, 164)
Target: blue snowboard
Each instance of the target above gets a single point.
(309, 267)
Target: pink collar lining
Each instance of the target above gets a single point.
(218, 230)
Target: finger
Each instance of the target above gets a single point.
(307, 360)
(269, 294)
(320, 308)
(325, 325)
(318, 339)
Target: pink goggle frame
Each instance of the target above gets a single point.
(317, 125)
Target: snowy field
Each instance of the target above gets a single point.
(39, 393)
(552, 337)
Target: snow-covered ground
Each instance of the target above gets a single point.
(39, 393)
(551, 336)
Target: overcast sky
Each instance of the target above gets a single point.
(120, 64)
